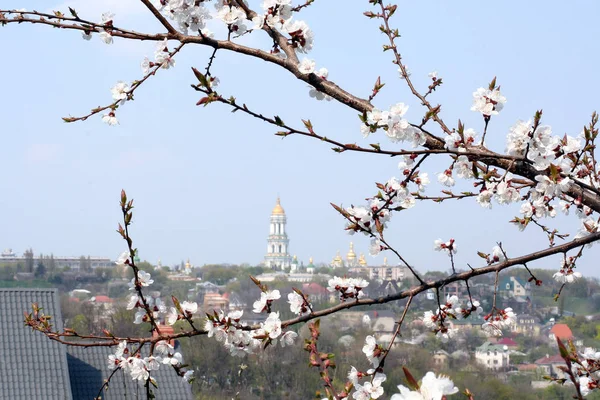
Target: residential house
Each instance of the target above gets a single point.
(316, 293)
(215, 301)
(564, 333)
(561, 331)
(440, 359)
(458, 289)
(519, 304)
(386, 288)
(508, 342)
(236, 303)
(526, 324)
(35, 367)
(511, 286)
(472, 322)
(549, 365)
(492, 356)
(379, 321)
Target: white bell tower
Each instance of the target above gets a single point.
(277, 243)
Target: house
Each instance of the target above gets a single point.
(35, 367)
(492, 356)
(550, 365)
(440, 359)
(512, 286)
(519, 304)
(386, 288)
(564, 333)
(561, 331)
(526, 324)
(458, 289)
(236, 303)
(315, 292)
(380, 321)
(464, 324)
(215, 301)
(508, 342)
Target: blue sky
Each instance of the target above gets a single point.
(205, 180)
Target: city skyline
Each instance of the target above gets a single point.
(181, 163)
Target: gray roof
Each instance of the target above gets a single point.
(30, 363)
(88, 370)
(35, 367)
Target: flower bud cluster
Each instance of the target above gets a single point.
(397, 128)
(567, 274)
(139, 368)
(348, 288)
(435, 321)
(498, 320)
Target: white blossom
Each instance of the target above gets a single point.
(120, 92)
(296, 302)
(306, 66)
(431, 388)
(261, 304)
(488, 102)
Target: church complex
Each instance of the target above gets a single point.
(278, 256)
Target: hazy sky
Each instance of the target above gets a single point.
(205, 180)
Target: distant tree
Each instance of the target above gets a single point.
(85, 264)
(29, 263)
(40, 270)
(51, 264)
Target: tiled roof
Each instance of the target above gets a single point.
(562, 331)
(314, 289)
(88, 370)
(34, 367)
(507, 341)
(30, 363)
(102, 299)
(557, 359)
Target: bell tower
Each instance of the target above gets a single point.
(277, 243)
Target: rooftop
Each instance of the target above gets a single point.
(562, 331)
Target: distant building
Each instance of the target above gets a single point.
(514, 287)
(561, 331)
(457, 288)
(278, 255)
(294, 277)
(527, 325)
(551, 365)
(315, 292)
(351, 259)
(215, 301)
(508, 342)
(492, 356)
(383, 272)
(440, 359)
(74, 263)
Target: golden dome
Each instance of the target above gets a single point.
(351, 256)
(278, 210)
(362, 261)
(338, 258)
(310, 260)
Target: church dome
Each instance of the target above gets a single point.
(278, 210)
(351, 256)
(362, 261)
